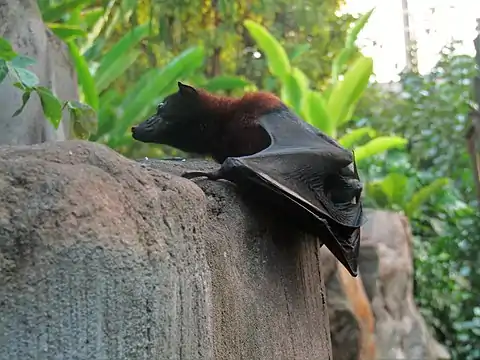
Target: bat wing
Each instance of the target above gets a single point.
(342, 241)
(309, 174)
(312, 167)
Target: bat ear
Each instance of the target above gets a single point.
(186, 90)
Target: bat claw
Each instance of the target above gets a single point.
(209, 175)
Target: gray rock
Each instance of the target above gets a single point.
(23, 26)
(105, 258)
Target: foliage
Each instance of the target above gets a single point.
(113, 42)
(334, 107)
(431, 111)
(15, 66)
(397, 191)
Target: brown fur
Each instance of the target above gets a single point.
(238, 132)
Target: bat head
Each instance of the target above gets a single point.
(175, 122)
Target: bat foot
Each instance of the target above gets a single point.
(195, 174)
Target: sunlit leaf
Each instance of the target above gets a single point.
(6, 50)
(52, 108)
(67, 32)
(85, 79)
(315, 110)
(292, 92)
(55, 13)
(118, 68)
(277, 58)
(114, 60)
(354, 136)
(347, 92)
(378, 146)
(225, 83)
(356, 28)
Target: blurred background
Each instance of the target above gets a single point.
(396, 84)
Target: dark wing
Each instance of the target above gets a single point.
(312, 168)
(342, 241)
(310, 175)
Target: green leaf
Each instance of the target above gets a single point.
(315, 110)
(26, 77)
(54, 13)
(354, 136)
(226, 83)
(395, 188)
(84, 119)
(299, 50)
(292, 92)
(3, 70)
(6, 50)
(138, 103)
(357, 27)
(85, 79)
(52, 108)
(340, 61)
(25, 98)
(21, 61)
(347, 92)
(422, 195)
(277, 58)
(118, 68)
(67, 32)
(113, 58)
(379, 145)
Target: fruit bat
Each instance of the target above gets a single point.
(265, 149)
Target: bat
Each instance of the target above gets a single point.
(264, 148)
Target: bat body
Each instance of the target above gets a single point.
(266, 149)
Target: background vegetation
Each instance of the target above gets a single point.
(409, 145)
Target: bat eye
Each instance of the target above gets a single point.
(161, 106)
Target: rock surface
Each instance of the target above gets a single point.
(375, 317)
(23, 26)
(105, 258)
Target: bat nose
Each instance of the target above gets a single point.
(133, 129)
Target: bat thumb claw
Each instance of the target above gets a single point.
(194, 174)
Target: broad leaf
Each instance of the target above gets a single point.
(85, 79)
(315, 111)
(21, 61)
(422, 195)
(26, 77)
(67, 32)
(84, 119)
(277, 58)
(346, 92)
(113, 58)
(54, 13)
(354, 136)
(226, 83)
(294, 88)
(395, 188)
(357, 27)
(378, 146)
(3, 70)
(118, 68)
(52, 108)
(25, 98)
(340, 61)
(6, 50)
